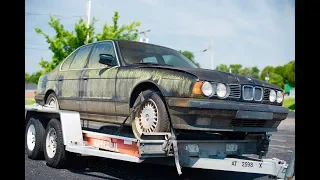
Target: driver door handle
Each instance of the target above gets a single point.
(85, 77)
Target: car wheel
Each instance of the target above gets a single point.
(34, 136)
(54, 149)
(151, 116)
(52, 100)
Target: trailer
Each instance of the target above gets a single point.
(59, 134)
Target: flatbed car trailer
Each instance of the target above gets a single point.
(56, 133)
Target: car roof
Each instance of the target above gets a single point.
(138, 42)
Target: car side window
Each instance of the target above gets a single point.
(173, 61)
(150, 60)
(80, 59)
(66, 64)
(101, 48)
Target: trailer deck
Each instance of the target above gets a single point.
(162, 148)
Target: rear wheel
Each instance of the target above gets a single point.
(34, 136)
(54, 149)
(52, 100)
(151, 116)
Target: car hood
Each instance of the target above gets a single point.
(218, 76)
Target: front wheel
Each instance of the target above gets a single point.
(151, 116)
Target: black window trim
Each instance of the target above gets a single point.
(115, 52)
(85, 67)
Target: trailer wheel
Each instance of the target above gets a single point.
(54, 149)
(152, 116)
(34, 136)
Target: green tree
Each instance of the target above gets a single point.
(289, 73)
(245, 71)
(125, 32)
(235, 68)
(190, 56)
(250, 72)
(26, 77)
(35, 77)
(63, 42)
(255, 72)
(276, 79)
(280, 70)
(266, 72)
(223, 68)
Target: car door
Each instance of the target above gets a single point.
(98, 85)
(69, 79)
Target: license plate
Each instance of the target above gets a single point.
(192, 148)
(231, 147)
(104, 145)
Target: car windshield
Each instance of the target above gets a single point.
(137, 53)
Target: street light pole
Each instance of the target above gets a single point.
(212, 52)
(200, 51)
(88, 19)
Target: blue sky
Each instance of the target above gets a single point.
(248, 32)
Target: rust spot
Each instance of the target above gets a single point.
(182, 103)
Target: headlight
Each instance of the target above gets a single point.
(279, 97)
(207, 89)
(272, 96)
(221, 90)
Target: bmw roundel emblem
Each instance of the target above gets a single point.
(249, 79)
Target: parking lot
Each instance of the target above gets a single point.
(282, 144)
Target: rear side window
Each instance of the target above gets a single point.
(101, 48)
(67, 62)
(80, 59)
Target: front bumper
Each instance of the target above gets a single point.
(219, 115)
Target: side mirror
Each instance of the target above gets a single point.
(106, 59)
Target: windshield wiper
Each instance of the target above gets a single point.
(153, 64)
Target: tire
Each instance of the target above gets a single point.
(55, 157)
(52, 98)
(143, 116)
(34, 135)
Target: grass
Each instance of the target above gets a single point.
(289, 103)
(29, 101)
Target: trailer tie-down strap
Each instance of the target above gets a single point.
(172, 140)
(135, 107)
(174, 143)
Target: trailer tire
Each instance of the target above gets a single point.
(54, 148)
(34, 135)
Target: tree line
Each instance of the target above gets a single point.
(278, 75)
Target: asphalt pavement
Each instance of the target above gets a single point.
(281, 147)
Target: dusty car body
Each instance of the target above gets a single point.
(105, 92)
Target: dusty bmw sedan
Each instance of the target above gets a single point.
(103, 82)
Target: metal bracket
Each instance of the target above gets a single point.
(174, 143)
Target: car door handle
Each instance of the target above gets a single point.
(85, 77)
(60, 79)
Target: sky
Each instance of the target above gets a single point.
(251, 32)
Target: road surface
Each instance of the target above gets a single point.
(282, 144)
